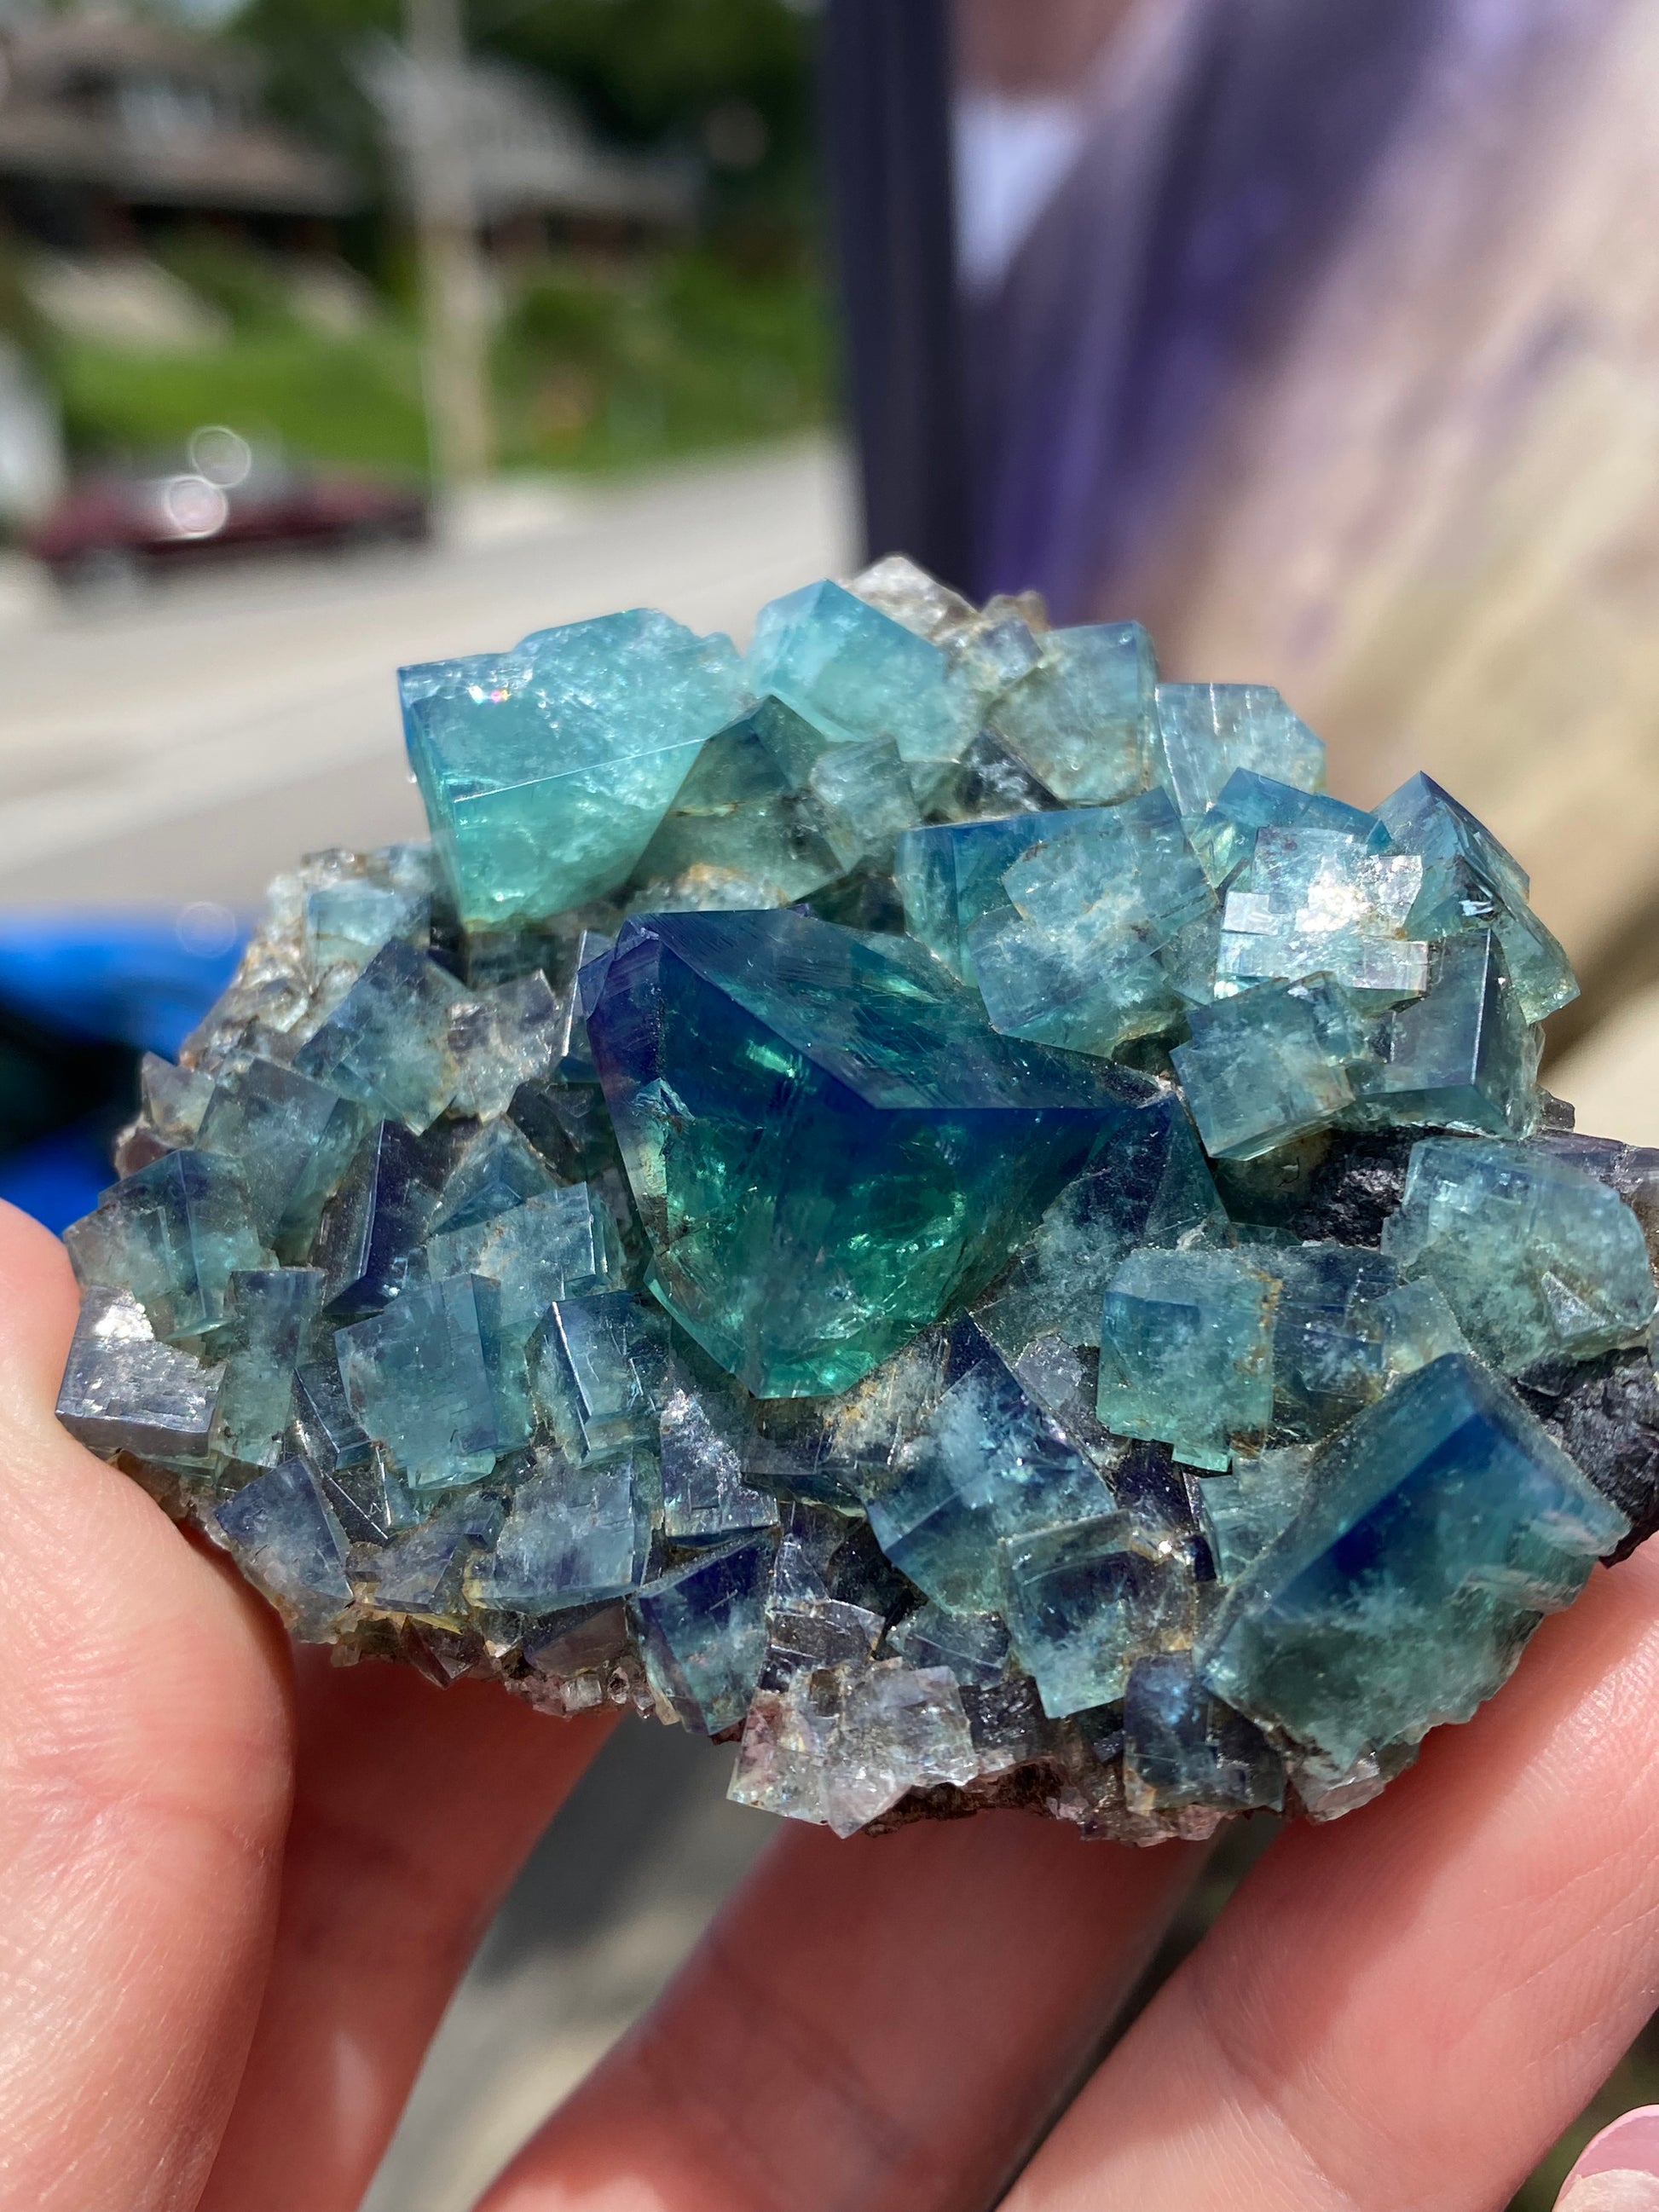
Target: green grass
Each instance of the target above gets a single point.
(594, 371)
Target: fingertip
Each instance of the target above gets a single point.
(1618, 2170)
(37, 1315)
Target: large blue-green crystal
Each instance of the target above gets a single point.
(545, 770)
(827, 1141)
(1438, 1526)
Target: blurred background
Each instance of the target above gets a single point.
(338, 334)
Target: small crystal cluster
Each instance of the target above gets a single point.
(919, 1199)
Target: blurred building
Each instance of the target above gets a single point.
(112, 127)
(538, 178)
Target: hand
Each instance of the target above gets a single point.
(236, 1891)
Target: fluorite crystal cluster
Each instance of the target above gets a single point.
(916, 1199)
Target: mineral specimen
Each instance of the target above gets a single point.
(916, 1200)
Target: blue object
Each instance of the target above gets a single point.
(140, 980)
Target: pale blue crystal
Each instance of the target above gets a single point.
(288, 1543)
(702, 1633)
(1274, 1062)
(985, 1464)
(124, 1392)
(1083, 719)
(1110, 933)
(572, 1536)
(1536, 1259)
(1187, 1351)
(172, 1234)
(270, 1317)
(416, 1378)
(292, 1139)
(1318, 902)
(387, 1043)
(599, 1373)
(1205, 731)
(1225, 837)
(1083, 1601)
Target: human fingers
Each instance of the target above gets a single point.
(414, 1808)
(1407, 2007)
(144, 1768)
(886, 2022)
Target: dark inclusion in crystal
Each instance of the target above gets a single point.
(917, 1201)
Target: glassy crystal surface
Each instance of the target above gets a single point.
(1206, 732)
(781, 1087)
(545, 770)
(1083, 720)
(1187, 1351)
(1437, 1527)
(916, 1201)
(1536, 1259)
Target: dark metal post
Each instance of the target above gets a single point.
(887, 107)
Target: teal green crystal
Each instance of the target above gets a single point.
(1083, 719)
(780, 1085)
(1205, 731)
(854, 673)
(1439, 1525)
(1187, 1351)
(172, 1234)
(1536, 1259)
(1469, 882)
(545, 770)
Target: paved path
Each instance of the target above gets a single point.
(188, 743)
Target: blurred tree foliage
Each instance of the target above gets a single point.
(731, 78)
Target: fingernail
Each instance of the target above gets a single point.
(1618, 2171)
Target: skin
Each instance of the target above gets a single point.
(236, 1894)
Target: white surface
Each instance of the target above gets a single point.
(189, 741)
